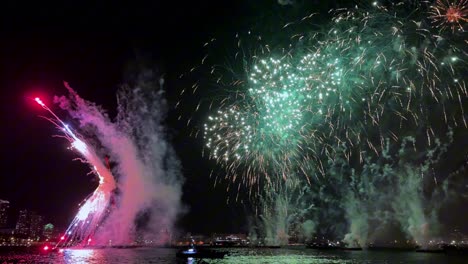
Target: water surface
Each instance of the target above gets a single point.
(236, 256)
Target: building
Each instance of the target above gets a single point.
(36, 227)
(4, 207)
(29, 224)
(24, 222)
(48, 231)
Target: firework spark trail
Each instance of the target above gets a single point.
(93, 210)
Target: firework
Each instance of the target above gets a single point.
(339, 103)
(452, 14)
(94, 208)
(265, 129)
(331, 110)
(370, 75)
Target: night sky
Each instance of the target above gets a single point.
(94, 47)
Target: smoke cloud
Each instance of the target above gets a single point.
(147, 169)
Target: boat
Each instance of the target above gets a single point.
(265, 246)
(352, 248)
(322, 244)
(273, 246)
(430, 250)
(193, 252)
(323, 247)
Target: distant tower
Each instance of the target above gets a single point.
(4, 206)
(48, 231)
(29, 224)
(24, 222)
(36, 228)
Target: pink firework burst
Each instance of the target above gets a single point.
(449, 14)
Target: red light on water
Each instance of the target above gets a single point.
(46, 248)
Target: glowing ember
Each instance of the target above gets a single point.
(448, 14)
